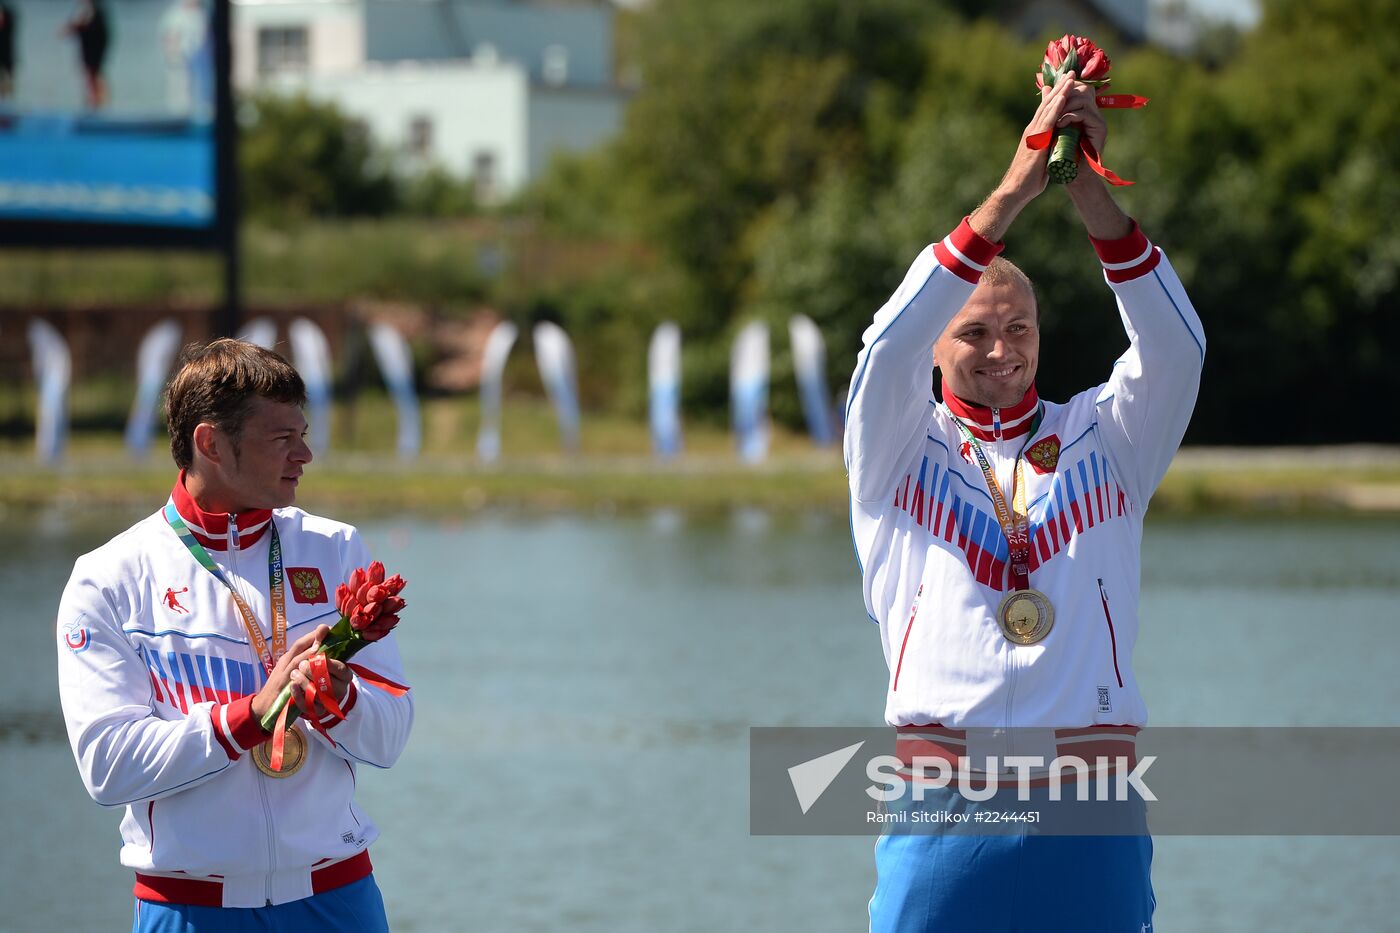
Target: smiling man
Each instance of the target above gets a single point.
(999, 537)
(172, 645)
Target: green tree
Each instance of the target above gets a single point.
(745, 105)
(794, 156)
(300, 158)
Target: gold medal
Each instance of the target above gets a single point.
(1026, 616)
(293, 755)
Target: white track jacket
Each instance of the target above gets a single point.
(932, 555)
(157, 677)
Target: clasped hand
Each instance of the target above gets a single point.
(1069, 103)
(294, 668)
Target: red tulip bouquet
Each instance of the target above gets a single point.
(1090, 64)
(369, 608)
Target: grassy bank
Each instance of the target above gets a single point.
(433, 262)
(614, 470)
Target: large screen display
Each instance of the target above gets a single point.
(109, 116)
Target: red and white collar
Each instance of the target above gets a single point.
(994, 424)
(211, 529)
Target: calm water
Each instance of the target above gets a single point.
(585, 685)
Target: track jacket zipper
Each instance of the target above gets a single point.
(1112, 639)
(233, 548)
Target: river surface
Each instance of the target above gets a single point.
(585, 685)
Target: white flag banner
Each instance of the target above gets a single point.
(809, 366)
(53, 372)
(311, 355)
(664, 389)
(153, 361)
(748, 391)
(493, 367)
(261, 331)
(554, 354)
(396, 364)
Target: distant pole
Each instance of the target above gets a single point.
(230, 316)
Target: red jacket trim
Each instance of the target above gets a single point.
(966, 253)
(1127, 258)
(202, 892)
(211, 529)
(1015, 419)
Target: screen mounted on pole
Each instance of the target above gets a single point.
(115, 123)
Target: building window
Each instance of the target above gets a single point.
(283, 50)
(420, 136)
(484, 175)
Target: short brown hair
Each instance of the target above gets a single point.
(1002, 271)
(216, 383)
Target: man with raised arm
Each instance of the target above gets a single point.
(176, 637)
(999, 537)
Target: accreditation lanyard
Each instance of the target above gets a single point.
(1015, 521)
(276, 588)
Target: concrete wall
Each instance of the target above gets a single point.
(570, 120)
(474, 108)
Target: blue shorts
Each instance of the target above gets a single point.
(1018, 881)
(1012, 884)
(353, 908)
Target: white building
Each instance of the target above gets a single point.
(489, 89)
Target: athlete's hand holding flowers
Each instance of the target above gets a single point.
(1026, 177)
(319, 676)
(1078, 61)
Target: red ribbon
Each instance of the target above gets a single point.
(1121, 101)
(321, 679)
(1091, 154)
(374, 680)
(1086, 151)
(1040, 141)
(279, 739)
(320, 689)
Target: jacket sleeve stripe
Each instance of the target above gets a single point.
(1127, 258)
(218, 715)
(1141, 257)
(1200, 347)
(966, 253)
(237, 729)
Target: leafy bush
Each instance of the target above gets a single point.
(300, 158)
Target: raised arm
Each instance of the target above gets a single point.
(890, 404)
(889, 408)
(1145, 408)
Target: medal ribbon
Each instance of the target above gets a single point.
(277, 590)
(276, 587)
(1015, 521)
